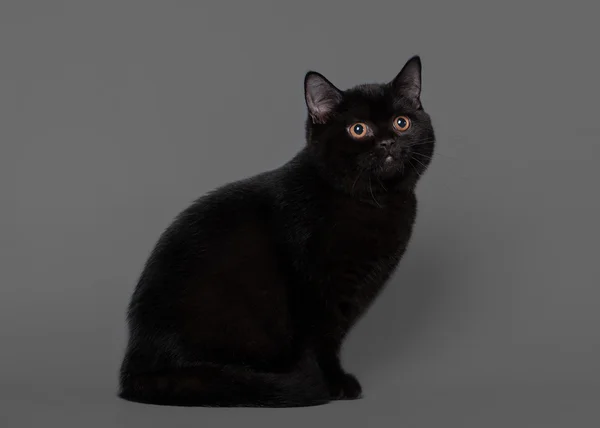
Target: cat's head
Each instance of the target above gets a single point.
(369, 132)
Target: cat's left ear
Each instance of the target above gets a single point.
(408, 82)
(322, 97)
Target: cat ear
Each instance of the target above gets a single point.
(408, 82)
(322, 97)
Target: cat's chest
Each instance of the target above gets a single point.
(356, 232)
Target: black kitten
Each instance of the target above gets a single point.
(248, 295)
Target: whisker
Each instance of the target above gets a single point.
(414, 169)
(419, 143)
(372, 195)
(421, 175)
(356, 180)
(422, 155)
(458, 175)
(420, 163)
(381, 184)
(437, 152)
(435, 140)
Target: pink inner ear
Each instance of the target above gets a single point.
(408, 81)
(321, 99)
(320, 110)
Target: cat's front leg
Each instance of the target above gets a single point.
(342, 385)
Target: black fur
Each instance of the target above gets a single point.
(248, 295)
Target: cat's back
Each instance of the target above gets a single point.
(237, 210)
(214, 275)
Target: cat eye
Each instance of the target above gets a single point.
(401, 123)
(358, 130)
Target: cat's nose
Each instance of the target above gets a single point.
(386, 144)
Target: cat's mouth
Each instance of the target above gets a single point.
(389, 164)
(391, 159)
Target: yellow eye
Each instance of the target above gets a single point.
(401, 123)
(358, 130)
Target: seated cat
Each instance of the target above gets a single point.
(248, 295)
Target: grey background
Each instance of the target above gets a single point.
(110, 112)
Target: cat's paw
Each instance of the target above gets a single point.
(345, 387)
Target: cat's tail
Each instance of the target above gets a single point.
(211, 385)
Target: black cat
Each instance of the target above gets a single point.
(248, 295)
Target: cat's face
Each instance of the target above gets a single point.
(375, 131)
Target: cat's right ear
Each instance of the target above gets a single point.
(322, 97)
(408, 82)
